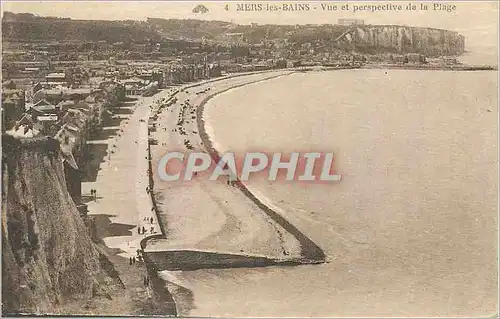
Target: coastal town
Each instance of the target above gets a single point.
(88, 110)
(47, 76)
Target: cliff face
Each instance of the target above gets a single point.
(402, 39)
(47, 256)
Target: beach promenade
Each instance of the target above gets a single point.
(122, 201)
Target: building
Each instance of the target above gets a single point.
(133, 86)
(449, 60)
(234, 37)
(72, 138)
(416, 58)
(398, 59)
(57, 95)
(13, 106)
(56, 77)
(214, 70)
(46, 115)
(150, 89)
(351, 22)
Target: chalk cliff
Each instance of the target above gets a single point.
(404, 39)
(47, 257)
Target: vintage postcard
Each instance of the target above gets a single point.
(250, 159)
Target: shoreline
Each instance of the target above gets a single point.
(310, 251)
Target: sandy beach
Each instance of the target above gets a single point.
(209, 215)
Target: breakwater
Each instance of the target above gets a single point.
(186, 259)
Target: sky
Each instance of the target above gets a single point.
(476, 20)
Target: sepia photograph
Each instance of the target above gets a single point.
(237, 159)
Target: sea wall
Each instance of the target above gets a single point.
(48, 258)
(404, 39)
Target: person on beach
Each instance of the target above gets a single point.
(151, 219)
(152, 229)
(130, 260)
(139, 230)
(143, 230)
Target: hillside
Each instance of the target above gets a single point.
(32, 28)
(363, 39)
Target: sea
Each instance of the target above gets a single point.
(411, 230)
